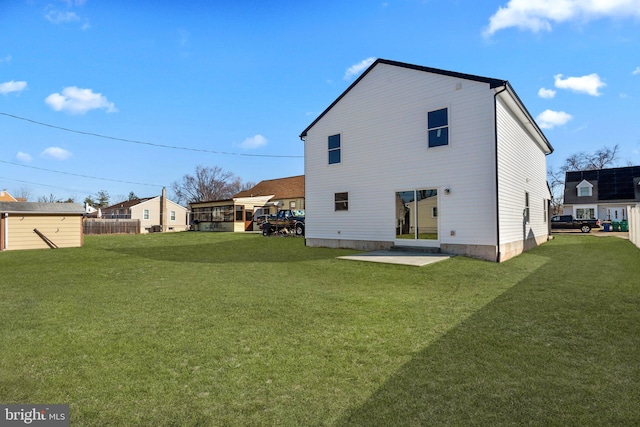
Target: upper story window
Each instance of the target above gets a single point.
(145, 214)
(585, 189)
(173, 215)
(334, 149)
(438, 125)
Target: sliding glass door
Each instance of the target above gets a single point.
(417, 214)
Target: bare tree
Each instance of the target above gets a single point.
(208, 183)
(555, 178)
(600, 159)
(49, 199)
(55, 199)
(22, 193)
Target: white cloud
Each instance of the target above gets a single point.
(8, 58)
(358, 68)
(546, 93)
(23, 157)
(549, 119)
(76, 100)
(585, 84)
(57, 17)
(636, 71)
(253, 142)
(537, 15)
(56, 153)
(12, 86)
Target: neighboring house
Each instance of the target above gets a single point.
(237, 214)
(603, 194)
(91, 212)
(421, 157)
(154, 213)
(34, 225)
(6, 197)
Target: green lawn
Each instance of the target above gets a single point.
(228, 329)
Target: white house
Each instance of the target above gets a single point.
(154, 213)
(421, 157)
(604, 194)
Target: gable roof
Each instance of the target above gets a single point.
(42, 208)
(127, 204)
(612, 184)
(6, 197)
(513, 101)
(281, 188)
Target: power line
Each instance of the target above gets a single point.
(45, 185)
(79, 175)
(133, 141)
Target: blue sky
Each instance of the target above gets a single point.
(246, 77)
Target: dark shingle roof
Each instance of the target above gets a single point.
(127, 204)
(612, 184)
(281, 188)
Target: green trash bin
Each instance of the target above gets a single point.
(624, 226)
(615, 226)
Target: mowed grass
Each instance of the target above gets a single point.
(215, 329)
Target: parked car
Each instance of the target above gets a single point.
(569, 222)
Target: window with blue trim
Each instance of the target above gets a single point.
(438, 124)
(334, 149)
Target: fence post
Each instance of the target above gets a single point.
(634, 225)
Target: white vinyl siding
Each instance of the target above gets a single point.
(384, 120)
(521, 169)
(153, 206)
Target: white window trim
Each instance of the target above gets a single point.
(448, 107)
(576, 207)
(427, 243)
(584, 183)
(341, 149)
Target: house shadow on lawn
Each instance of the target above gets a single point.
(539, 354)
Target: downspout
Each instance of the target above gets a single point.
(495, 128)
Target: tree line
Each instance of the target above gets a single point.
(205, 184)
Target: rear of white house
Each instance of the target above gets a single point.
(420, 157)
